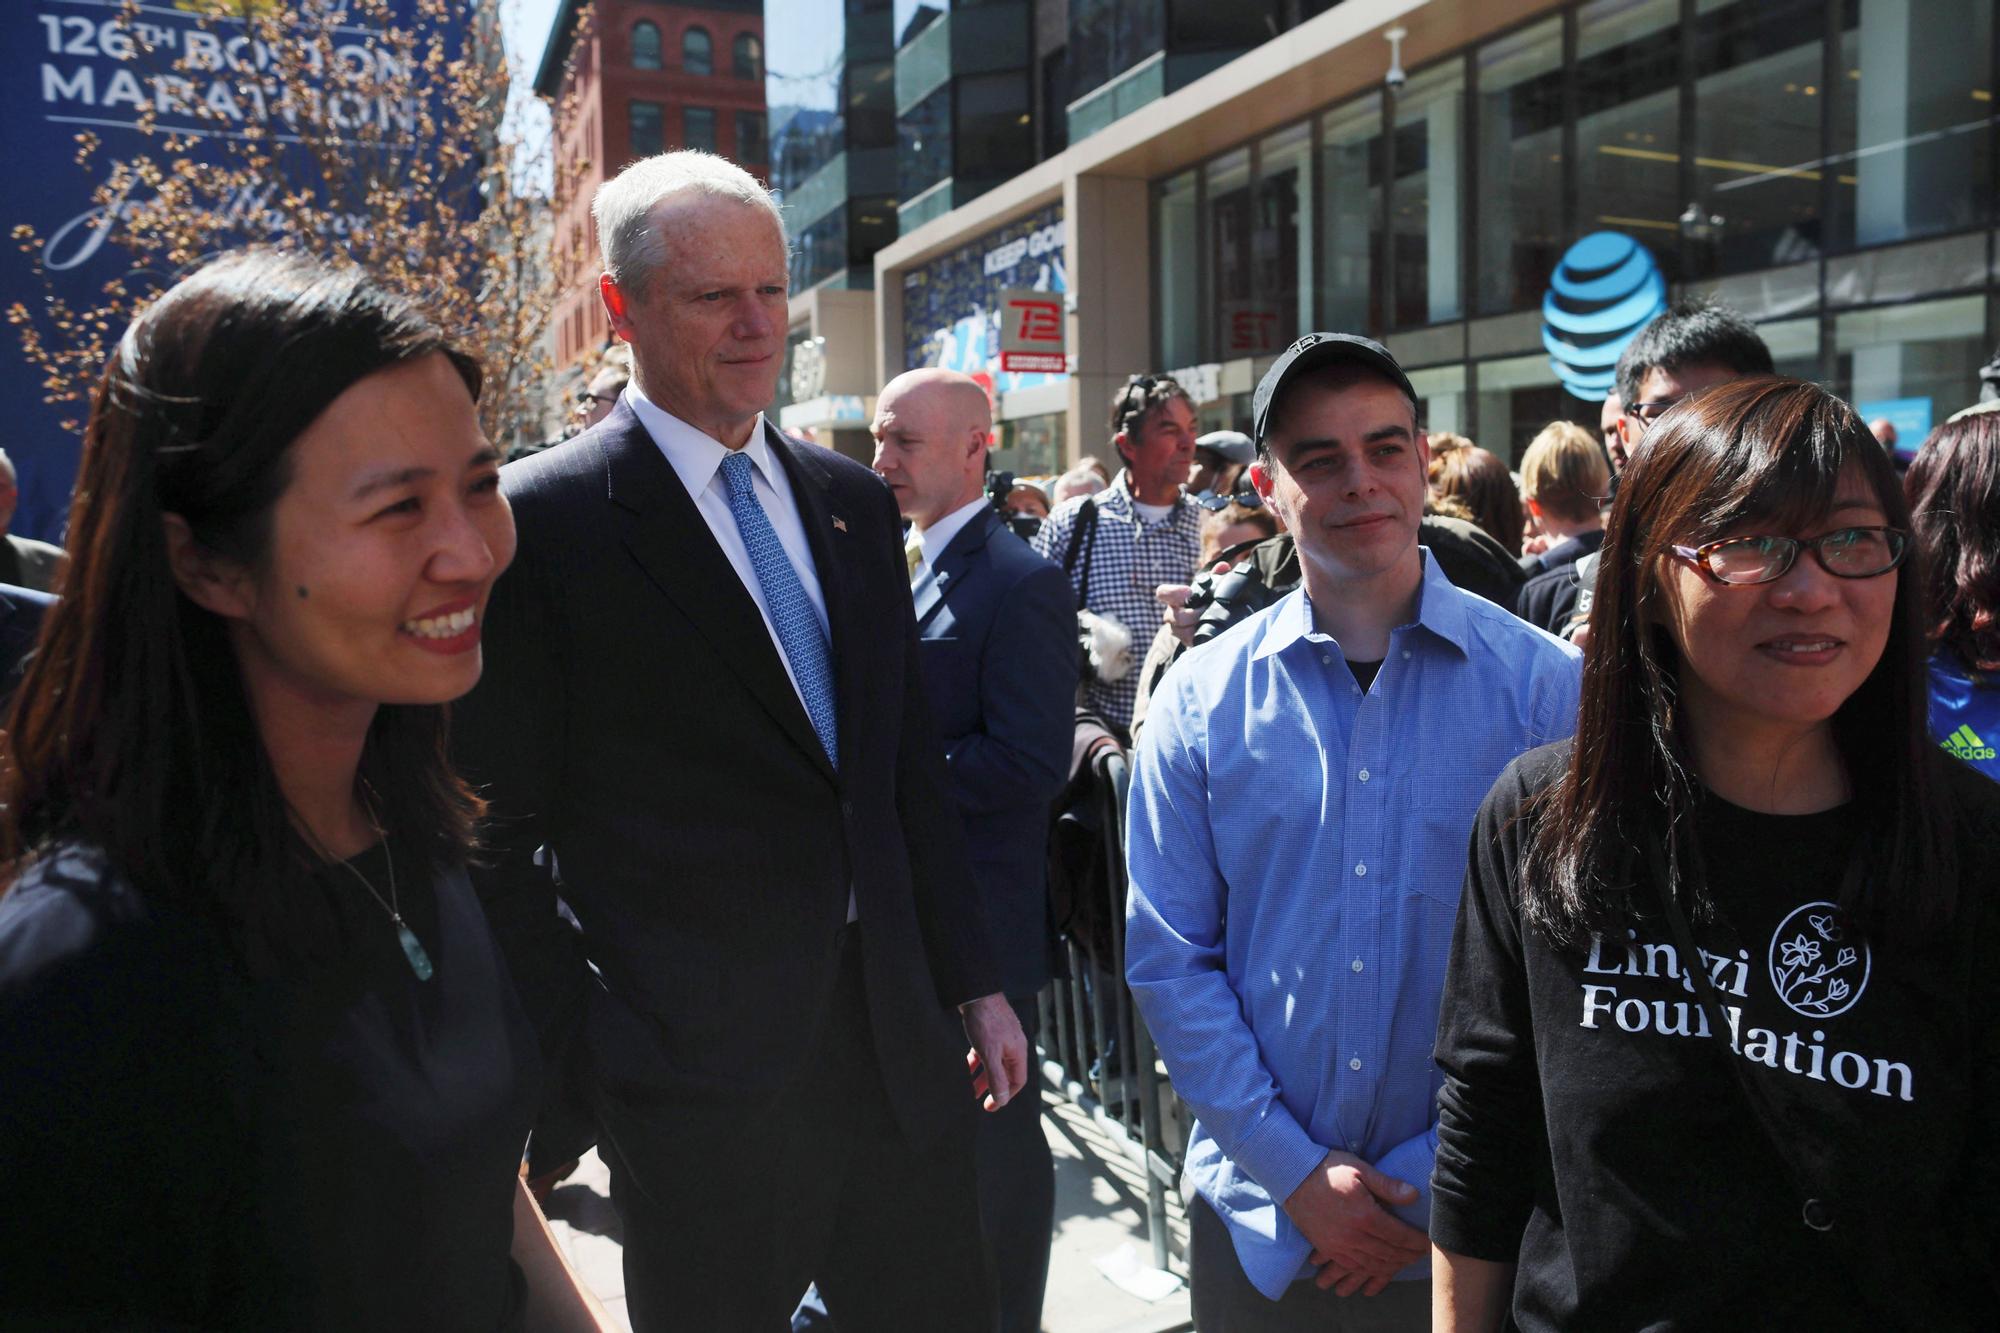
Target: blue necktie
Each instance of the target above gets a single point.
(791, 611)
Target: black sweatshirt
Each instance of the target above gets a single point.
(1590, 1130)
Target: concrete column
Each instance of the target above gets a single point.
(1109, 249)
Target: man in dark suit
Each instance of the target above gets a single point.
(20, 617)
(998, 640)
(701, 722)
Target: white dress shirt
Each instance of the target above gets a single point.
(938, 535)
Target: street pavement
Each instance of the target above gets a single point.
(1100, 1223)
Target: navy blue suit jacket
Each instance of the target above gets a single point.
(997, 626)
(635, 718)
(20, 617)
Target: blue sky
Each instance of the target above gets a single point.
(524, 26)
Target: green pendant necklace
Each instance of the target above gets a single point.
(413, 948)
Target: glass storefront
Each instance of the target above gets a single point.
(1826, 167)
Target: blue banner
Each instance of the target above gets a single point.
(76, 67)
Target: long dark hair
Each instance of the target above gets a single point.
(1954, 491)
(1767, 449)
(131, 730)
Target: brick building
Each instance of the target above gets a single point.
(646, 78)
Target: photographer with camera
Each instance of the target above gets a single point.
(1301, 802)
(1121, 543)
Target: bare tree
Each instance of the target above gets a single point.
(370, 130)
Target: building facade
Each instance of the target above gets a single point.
(1827, 167)
(639, 79)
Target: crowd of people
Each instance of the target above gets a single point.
(1560, 892)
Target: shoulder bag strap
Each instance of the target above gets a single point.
(1814, 1212)
(1082, 536)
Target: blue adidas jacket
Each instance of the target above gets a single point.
(1965, 712)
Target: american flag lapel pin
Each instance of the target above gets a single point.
(839, 523)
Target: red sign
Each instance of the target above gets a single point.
(1031, 332)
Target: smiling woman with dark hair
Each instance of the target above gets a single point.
(1718, 1036)
(263, 1064)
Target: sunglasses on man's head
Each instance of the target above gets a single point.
(1245, 495)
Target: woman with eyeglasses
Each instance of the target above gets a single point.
(1719, 1034)
(1954, 490)
(261, 1061)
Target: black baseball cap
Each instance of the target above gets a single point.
(1320, 349)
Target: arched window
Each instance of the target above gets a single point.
(698, 52)
(645, 45)
(749, 56)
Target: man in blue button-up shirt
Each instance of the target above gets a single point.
(1301, 805)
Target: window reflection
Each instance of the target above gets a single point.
(697, 51)
(1241, 327)
(1913, 119)
(750, 146)
(1350, 182)
(1179, 267)
(645, 45)
(747, 56)
(1628, 125)
(1520, 231)
(1280, 266)
(923, 156)
(1424, 206)
(698, 128)
(646, 122)
(1108, 37)
(1757, 134)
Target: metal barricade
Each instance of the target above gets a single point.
(1093, 1032)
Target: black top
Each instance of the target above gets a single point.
(188, 1147)
(1589, 1128)
(1548, 598)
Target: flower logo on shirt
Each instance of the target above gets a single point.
(1818, 966)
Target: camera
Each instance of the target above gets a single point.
(1396, 78)
(1224, 599)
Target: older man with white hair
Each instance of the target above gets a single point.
(702, 726)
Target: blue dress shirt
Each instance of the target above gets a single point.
(1296, 850)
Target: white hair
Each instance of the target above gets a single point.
(7, 473)
(623, 206)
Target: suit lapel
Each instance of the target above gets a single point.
(953, 565)
(671, 541)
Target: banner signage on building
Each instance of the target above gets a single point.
(1605, 289)
(75, 67)
(993, 308)
(1031, 332)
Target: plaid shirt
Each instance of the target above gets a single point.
(1127, 558)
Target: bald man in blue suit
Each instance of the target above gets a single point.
(997, 647)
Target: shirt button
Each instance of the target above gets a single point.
(1363, 775)
(1355, 1063)
(1360, 867)
(847, 808)
(1326, 658)
(1356, 965)
(1406, 654)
